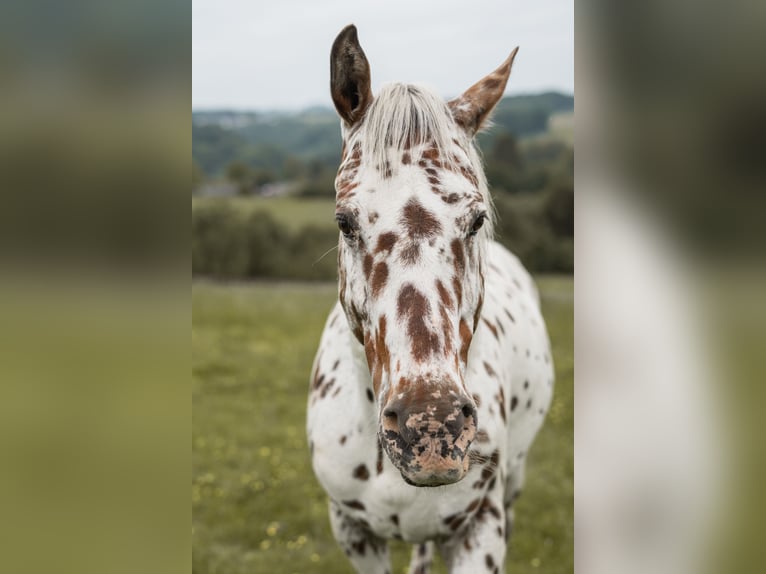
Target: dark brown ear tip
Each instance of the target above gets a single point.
(348, 34)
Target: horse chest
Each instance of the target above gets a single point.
(370, 490)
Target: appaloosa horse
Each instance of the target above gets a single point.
(434, 371)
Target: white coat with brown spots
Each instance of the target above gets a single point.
(434, 373)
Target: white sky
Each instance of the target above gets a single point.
(275, 54)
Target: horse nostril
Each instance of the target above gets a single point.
(468, 410)
(390, 414)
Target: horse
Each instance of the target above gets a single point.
(434, 371)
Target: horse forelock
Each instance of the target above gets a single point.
(404, 117)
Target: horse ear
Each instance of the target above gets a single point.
(472, 109)
(349, 76)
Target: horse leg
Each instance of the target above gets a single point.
(367, 552)
(422, 556)
(513, 486)
(480, 547)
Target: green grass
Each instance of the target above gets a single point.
(256, 504)
(293, 212)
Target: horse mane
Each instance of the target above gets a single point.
(403, 116)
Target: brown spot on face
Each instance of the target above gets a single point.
(353, 504)
(382, 356)
(419, 222)
(406, 159)
(457, 286)
(444, 295)
(431, 154)
(410, 253)
(465, 340)
(451, 198)
(367, 266)
(386, 242)
(370, 396)
(501, 402)
(379, 278)
(413, 307)
(343, 440)
(489, 561)
(446, 329)
(361, 472)
(490, 371)
(458, 254)
(514, 402)
(373, 217)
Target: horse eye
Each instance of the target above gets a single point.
(478, 222)
(344, 224)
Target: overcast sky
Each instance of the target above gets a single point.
(275, 54)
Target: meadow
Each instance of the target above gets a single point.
(256, 506)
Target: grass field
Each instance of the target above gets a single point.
(256, 505)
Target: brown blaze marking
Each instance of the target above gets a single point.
(419, 221)
(514, 402)
(413, 306)
(465, 340)
(459, 255)
(491, 328)
(361, 472)
(386, 242)
(379, 278)
(444, 295)
(353, 504)
(367, 266)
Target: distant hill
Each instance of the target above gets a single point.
(269, 140)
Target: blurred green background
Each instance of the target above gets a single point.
(263, 193)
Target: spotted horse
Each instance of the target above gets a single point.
(434, 371)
